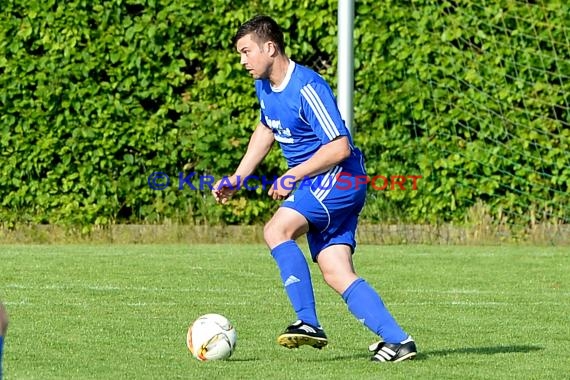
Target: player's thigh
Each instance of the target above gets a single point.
(335, 263)
(336, 258)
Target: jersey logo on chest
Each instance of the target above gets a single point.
(281, 134)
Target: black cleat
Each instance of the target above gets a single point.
(390, 352)
(300, 333)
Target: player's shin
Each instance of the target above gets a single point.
(367, 306)
(296, 279)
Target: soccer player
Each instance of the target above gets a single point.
(299, 111)
(3, 328)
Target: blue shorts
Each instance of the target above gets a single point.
(331, 207)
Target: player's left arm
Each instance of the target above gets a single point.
(328, 156)
(320, 110)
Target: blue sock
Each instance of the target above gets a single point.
(1, 346)
(367, 307)
(296, 280)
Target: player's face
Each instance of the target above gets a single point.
(254, 57)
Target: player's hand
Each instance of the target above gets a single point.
(224, 189)
(282, 187)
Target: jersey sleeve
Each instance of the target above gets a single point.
(260, 101)
(319, 109)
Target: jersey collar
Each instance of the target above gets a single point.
(287, 78)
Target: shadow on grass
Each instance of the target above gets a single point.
(422, 355)
(250, 359)
(489, 350)
(425, 355)
(355, 356)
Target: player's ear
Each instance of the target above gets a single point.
(271, 48)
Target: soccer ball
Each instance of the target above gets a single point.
(211, 337)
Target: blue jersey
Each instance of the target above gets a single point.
(303, 115)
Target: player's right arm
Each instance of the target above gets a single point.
(259, 145)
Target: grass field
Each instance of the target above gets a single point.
(122, 311)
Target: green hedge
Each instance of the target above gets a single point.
(98, 95)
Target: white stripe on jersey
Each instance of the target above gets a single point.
(328, 214)
(327, 183)
(320, 111)
(329, 178)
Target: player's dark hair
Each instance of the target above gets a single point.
(264, 29)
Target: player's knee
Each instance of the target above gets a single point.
(269, 234)
(274, 234)
(332, 280)
(339, 281)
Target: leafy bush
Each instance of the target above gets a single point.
(99, 95)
